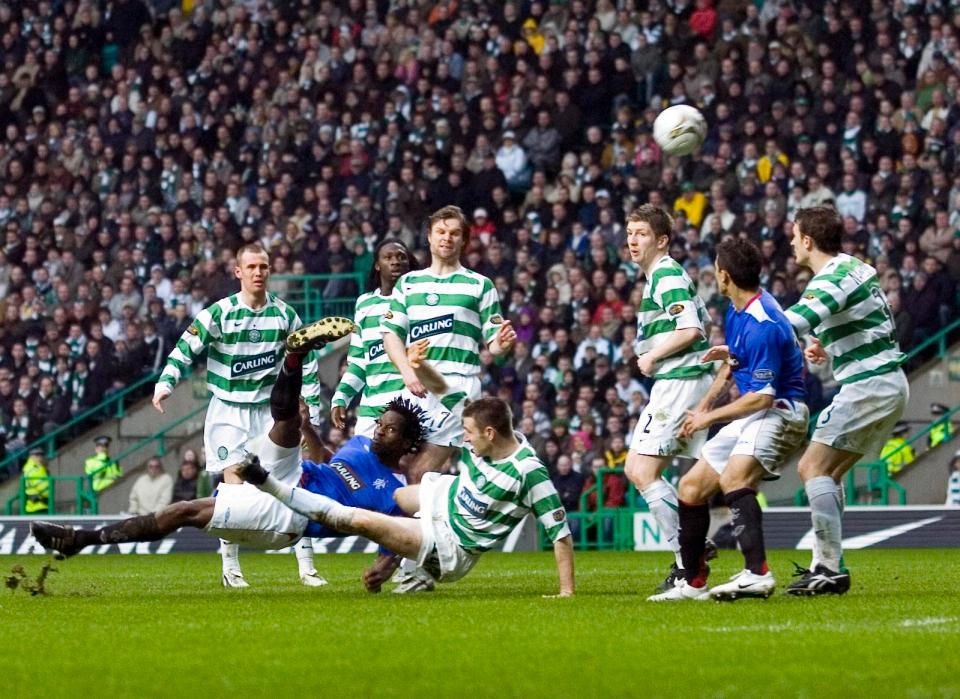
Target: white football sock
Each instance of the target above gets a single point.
(317, 507)
(825, 513)
(304, 551)
(230, 555)
(408, 566)
(662, 500)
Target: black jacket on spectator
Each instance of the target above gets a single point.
(52, 409)
(569, 488)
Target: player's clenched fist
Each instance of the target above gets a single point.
(506, 336)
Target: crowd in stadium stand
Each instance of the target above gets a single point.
(140, 144)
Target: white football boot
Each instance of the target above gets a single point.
(313, 579)
(745, 584)
(234, 578)
(418, 581)
(681, 592)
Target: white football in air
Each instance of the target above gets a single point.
(680, 129)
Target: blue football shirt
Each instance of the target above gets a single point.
(765, 349)
(354, 477)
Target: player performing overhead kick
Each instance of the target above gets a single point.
(500, 480)
(363, 473)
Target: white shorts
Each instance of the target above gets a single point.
(243, 514)
(659, 423)
(441, 425)
(446, 417)
(770, 436)
(862, 415)
(440, 554)
(227, 430)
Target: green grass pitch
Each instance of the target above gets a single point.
(160, 626)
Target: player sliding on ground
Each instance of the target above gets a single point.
(845, 307)
(500, 480)
(363, 473)
(769, 423)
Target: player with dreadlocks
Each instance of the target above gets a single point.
(364, 472)
(370, 374)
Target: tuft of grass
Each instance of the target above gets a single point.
(146, 626)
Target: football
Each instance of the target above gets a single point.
(680, 129)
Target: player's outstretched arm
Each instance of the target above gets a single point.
(747, 404)
(429, 377)
(353, 380)
(719, 385)
(563, 553)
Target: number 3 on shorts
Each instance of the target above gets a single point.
(825, 416)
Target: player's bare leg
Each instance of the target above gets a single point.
(68, 541)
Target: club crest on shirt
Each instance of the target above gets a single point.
(480, 480)
(193, 330)
(676, 309)
(254, 335)
(496, 319)
(433, 299)
(558, 515)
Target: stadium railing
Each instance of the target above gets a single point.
(604, 528)
(85, 498)
(113, 406)
(305, 293)
(940, 341)
(871, 483)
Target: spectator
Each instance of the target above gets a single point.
(512, 162)
(185, 487)
(152, 491)
(51, 408)
(691, 203)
